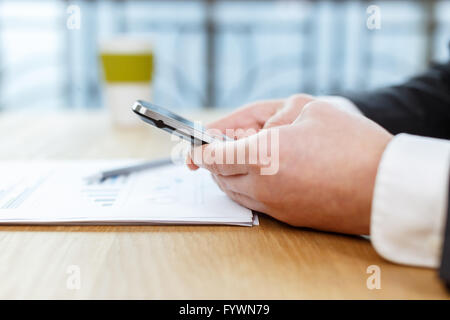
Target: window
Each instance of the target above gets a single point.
(217, 53)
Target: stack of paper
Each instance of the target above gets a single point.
(58, 193)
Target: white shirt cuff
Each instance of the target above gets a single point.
(410, 200)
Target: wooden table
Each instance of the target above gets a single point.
(273, 261)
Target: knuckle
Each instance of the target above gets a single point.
(274, 121)
(299, 99)
(314, 108)
(251, 105)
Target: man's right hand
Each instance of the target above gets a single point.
(318, 171)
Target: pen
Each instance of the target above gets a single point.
(129, 169)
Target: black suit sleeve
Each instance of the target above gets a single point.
(445, 262)
(420, 106)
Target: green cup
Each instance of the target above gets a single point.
(128, 71)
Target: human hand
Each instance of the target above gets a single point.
(328, 161)
(259, 115)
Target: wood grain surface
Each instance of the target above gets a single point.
(271, 261)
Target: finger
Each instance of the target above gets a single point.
(236, 183)
(226, 190)
(252, 116)
(190, 164)
(223, 158)
(242, 156)
(290, 111)
(246, 201)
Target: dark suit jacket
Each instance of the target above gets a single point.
(420, 106)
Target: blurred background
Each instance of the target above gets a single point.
(216, 54)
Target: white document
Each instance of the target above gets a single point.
(58, 193)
